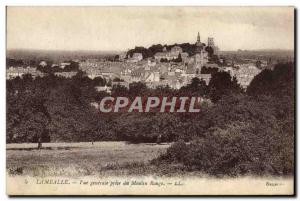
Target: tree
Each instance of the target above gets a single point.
(242, 135)
(197, 87)
(99, 81)
(74, 66)
(222, 84)
(207, 70)
(117, 58)
(118, 80)
(137, 89)
(119, 90)
(27, 117)
(279, 82)
(164, 60)
(71, 116)
(152, 50)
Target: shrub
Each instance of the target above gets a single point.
(241, 135)
(177, 152)
(240, 148)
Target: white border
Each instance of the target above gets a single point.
(5, 3)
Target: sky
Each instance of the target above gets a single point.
(122, 28)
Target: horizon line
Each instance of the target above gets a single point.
(91, 50)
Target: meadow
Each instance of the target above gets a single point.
(119, 161)
(81, 159)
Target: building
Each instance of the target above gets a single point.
(184, 56)
(54, 65)
(200, 60)
(174, 52)
(245, 74)
(170, 55)
(161, 55)
(93, 75)
(108, 75)
(211, 43)
(103, 89)
(43, 63)
(68, 74)
(122, 56)
(136, 57)
(120, 83)
(201, 56)
(64, 64)
(13, 72)
(106, 69)
(199, 44)
(90, 63)
(152, 76)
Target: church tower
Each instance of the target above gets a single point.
(199, 56)
(199, 45)
(198, 38)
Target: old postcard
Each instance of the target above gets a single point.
(150, 100)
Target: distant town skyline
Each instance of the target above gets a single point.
(123, 28)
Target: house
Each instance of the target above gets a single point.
(13, 72)
(120, 83)
(172, 54)
(43, 63)
(122, 56)
(64, 64)
(160, 55)
(184, 56)
(173, 81)
(245, 74)
(103, 89)
(54, 65)
(65, 74)
(152, 77)
(136, 57)
(93, 75)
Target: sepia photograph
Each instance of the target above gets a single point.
(141, 100)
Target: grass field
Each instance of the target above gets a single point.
(81, 159)
(118, 161)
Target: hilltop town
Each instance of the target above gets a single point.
(150, 100)
(160, 65)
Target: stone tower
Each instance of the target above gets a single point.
(210, 42)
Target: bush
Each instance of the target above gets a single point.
(177, 152)
(238, 149)
(243, 135)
